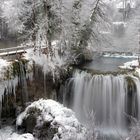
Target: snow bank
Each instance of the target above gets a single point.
(59, 117)
(130, 65)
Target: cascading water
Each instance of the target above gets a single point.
(23, 83)
(111, 98)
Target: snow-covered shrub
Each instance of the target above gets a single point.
(54, 122)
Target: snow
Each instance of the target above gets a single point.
(44, 61)
(130, 65)
(6, 132)
(118, 23)
(11, 52)
(57, 114)
(117, 55)
(3, 66)
(137, 72)
(16, 136)
(121, 4)
(48, 63)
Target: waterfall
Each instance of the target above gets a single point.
(113, 99)
(23, 83)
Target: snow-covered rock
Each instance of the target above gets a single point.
(130, 65)
(54, 122)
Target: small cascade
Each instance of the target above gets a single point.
(23, 83)
(113, 99)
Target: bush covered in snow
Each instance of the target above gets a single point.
(52, 121)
